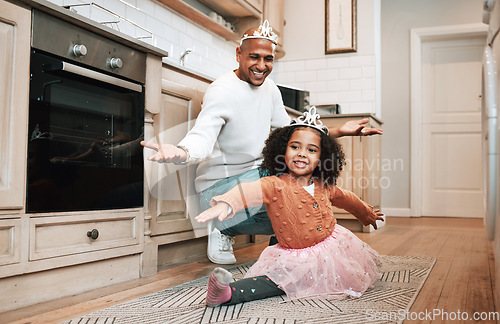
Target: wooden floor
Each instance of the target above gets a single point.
(461, 280)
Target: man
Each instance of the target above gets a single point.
(239, 110)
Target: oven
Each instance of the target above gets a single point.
(86, 118)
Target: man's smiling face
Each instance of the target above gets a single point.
(255, 58)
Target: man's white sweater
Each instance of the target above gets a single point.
(230, 131)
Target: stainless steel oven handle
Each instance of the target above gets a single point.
(75, 69)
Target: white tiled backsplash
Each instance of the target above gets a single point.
(211, 55)
(349, 80)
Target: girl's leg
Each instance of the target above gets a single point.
(222, 292)
(254, 288)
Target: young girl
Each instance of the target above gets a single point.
(314, 256)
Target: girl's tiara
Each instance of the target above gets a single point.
(310, 119)
(265, 32)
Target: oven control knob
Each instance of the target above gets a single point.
(79, 50)
(116, 63)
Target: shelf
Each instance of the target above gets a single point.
(200, 19)
(242, 14)
(229, 9)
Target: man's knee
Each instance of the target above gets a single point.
(257, 225)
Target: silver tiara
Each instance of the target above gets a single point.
(310, 119)
(265, 31)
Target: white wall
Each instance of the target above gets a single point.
(348, 79)
(397, 18)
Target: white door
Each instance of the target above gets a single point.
(451, 127)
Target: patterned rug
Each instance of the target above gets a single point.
(387, 302)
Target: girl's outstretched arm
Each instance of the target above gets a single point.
(219, 211)
(242, 196)
(350, 202)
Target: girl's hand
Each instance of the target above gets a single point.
(165, 153)
(374, 216)
(220, 211)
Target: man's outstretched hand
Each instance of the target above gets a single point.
(165, 153)
(356, 128)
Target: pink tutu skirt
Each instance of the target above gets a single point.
(341, 265)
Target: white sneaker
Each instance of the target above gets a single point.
(220, 246)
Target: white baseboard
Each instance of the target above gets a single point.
(400, 212)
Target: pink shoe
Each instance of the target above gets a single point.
(219, 291)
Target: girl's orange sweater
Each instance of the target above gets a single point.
(299, 219)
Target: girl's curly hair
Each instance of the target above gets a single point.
(330, 163)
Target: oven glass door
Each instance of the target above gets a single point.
(84, 149)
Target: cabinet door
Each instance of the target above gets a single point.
(370, 188)
(257, 4)
(115, 232)
(345, 180)
(14, 85)
(10, 241)
(274, 12)
(361, 174)
(173, 198)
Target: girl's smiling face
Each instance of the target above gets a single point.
(302, 153)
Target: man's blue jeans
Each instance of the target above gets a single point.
(250, 221)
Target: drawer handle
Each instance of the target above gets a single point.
(93, 234)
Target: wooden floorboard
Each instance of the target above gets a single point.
(479, 288)
(462, 278)
(453, 296)
(435, 282)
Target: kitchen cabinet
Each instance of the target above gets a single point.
(170, 203)
(257, 4)
(42, 253)
(172, 200)
(57, 242)
(10, 241)
(14, 78)
(237, 8)
(70, 234)
(362, 172)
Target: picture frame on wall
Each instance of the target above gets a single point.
(340, 26)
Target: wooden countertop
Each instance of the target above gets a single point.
(295, 112)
